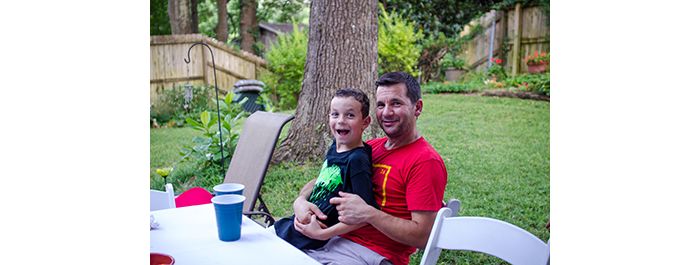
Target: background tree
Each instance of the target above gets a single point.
(222, 25)
(283, 11)
(160, 23)
(248, 25)
(342, 52)
(181, 19)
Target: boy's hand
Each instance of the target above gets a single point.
(314, 229)
(303, 210)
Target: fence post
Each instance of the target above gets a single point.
(516, 40)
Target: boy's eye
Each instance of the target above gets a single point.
(334, 115)
(351, 115)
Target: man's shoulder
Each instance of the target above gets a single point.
(422, 150)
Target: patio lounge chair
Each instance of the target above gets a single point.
(252, 156)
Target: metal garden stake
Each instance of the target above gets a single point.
(216, 90)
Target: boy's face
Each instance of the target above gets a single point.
(346, 122)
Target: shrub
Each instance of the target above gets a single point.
(538, 83)
(172, 107)
(205, 150)
(472, 82)
(449, 61)
(286, 59)
(496, 70)
(397, 46)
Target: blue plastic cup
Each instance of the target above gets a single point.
(229, 188)
(229, 214)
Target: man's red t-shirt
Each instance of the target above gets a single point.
(410, 178)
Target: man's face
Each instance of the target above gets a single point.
(395, 112)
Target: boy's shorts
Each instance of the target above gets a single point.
(341, 251)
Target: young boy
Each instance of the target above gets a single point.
(347, 168)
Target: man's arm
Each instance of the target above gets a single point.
(303, 209)
(315, 231)
(415, 232)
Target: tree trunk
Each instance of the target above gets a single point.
(195, 16)
(248, 25)
(180, 14)
(222, 26)
(342, 52)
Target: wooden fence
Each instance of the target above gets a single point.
(524, 29)
(168, 67)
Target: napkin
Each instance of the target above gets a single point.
(154, 223)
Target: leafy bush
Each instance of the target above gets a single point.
(285, 60)
(473, 82)
(496, 70)
(205, 150)
(172, 107)
(397, 46)
(538, 83)
(451, 62)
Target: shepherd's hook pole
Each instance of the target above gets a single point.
(216, 90)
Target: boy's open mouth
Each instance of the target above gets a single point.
(342, 132)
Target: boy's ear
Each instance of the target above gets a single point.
(366, 122)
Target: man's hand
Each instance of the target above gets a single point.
(303, 210)
(352, 209)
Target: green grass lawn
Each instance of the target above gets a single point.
(496, 151)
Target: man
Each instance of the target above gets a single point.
(409, 181)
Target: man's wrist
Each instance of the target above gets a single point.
(372, 215)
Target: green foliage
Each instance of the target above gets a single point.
(285, 60)
(435, 88)
(172, 108)
(205, 150)
(397, 44)
(283, 11)
(538, 83)
(440, 16)
(496, 71)
(160, 22)
(449, 61)
(207, 13)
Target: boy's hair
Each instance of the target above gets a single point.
(357, 95)
(392, 78)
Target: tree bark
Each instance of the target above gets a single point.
(222, 25)
(180, 14)
(249, 24)
(342, 52)
(194, 15)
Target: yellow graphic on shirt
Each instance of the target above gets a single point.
(383, 170)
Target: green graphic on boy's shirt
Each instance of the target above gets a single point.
(329, 179)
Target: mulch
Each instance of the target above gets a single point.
(517, 94)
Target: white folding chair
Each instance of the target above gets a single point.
(494, 237)
(163, 199)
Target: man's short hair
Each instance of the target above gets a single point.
(357, 95)
(392, 78)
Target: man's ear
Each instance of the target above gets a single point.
(419, 107)
(366, 122)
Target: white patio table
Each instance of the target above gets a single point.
(189, 234)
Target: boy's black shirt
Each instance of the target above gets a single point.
(349, 171)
